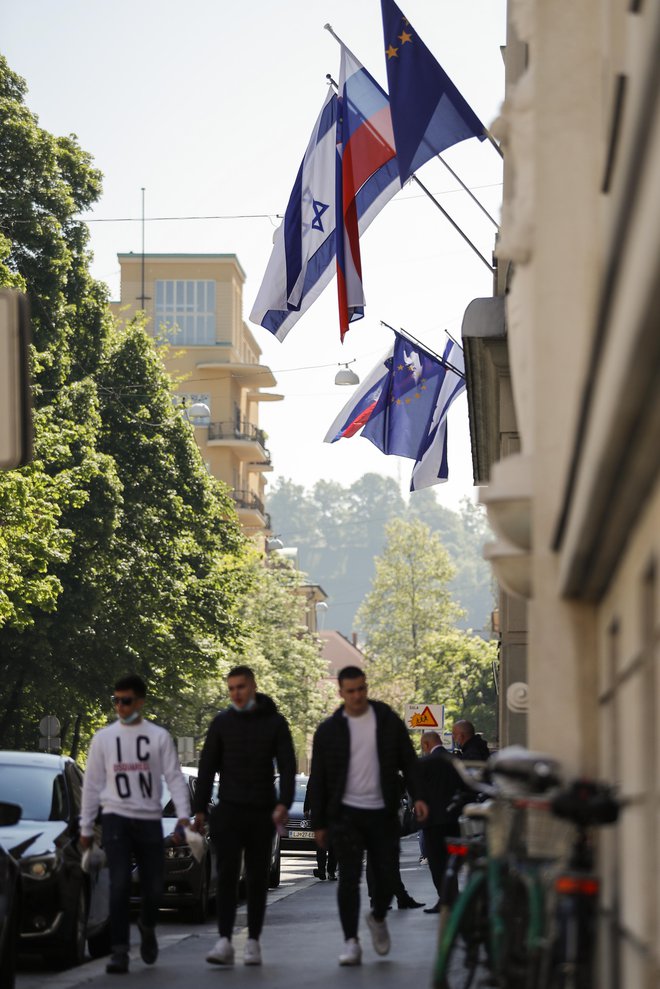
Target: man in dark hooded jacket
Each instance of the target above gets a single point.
(469, 746)
(242, 744)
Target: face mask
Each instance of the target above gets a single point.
(130, 718)
(248, 707)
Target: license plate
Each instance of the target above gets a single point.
(301, 834)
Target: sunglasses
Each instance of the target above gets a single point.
(123, 701)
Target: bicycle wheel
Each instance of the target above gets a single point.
(463, 930)
(514, 957)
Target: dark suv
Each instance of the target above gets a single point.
(62, 907)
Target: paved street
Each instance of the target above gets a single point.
(300, 943)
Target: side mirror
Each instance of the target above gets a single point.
(10, 814)
(15, 395)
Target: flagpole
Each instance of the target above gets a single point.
(418, 343)
(469, 192)
(493, 142)
(414, 177)
(453, 223)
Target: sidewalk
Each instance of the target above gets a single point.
(300, 943)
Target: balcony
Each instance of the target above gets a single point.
(251, 511)
(248, 442)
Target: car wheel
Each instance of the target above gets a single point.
(275, 871)
(198, 912)
(72, 951)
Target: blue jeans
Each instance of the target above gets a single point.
(123, 839)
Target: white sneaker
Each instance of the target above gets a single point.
(379, 934)
(252, 952)
(352, 953)
(222, 952)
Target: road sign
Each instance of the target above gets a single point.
(425, 717)
(49, 726)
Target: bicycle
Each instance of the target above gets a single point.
(497, 919)
(568, 962)
(516, 915)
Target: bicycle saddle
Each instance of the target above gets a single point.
(516, 769)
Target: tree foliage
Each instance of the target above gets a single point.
(117, 550)
(284, 655)
(340, 530)
(414, 651)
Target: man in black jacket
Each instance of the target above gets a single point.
(437, 783)
(241, 745)
(354, 799)
(470, 746)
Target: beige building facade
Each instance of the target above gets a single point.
(571, 467)
(193, 303)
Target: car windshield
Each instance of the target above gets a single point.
(301, 790)
(39, 791)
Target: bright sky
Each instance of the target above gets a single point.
(209, 107)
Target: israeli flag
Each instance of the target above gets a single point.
(302, 262)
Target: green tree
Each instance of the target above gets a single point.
(284, 655)
(415, 653)
(117, 550)
(409, 603)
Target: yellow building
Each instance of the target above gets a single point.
(194, 301)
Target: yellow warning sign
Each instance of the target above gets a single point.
(425, 716)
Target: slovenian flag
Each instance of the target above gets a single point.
(365, 154)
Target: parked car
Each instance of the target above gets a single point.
(62, 907)
(10, 902)
(190, 883)
(299, 835)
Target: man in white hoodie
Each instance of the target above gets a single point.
(126, 763)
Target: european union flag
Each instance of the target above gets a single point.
(402, 407)
(402, 418)
(429, 114)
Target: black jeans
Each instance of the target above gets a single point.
(325, 860)
(436, 854)
(238, 830)
(355, 832)
(124, 837)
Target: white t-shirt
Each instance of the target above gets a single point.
(125, 768)
(363, 787)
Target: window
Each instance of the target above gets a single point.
(185, 311)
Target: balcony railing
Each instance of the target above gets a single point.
(238, 431)
(251, 502)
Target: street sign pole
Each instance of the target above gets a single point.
(49, 729)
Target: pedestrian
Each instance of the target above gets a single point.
(471, 747)
(438, 782)
(125, 766)
(242, 744)
(355, 794)
(404, 900)
(326, 863)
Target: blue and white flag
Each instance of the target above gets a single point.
(303, 259)
(302, 262)
(432, 466)
(429, 114)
